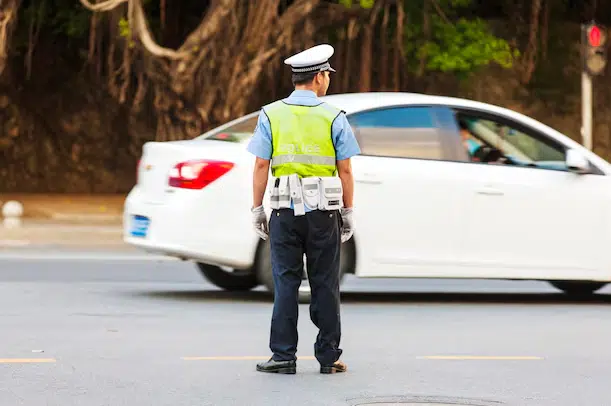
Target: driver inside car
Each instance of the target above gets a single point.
(479, 152)
(470, 144)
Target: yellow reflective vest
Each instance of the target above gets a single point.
(301, 139)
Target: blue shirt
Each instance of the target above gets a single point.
(342, 135)
(472, 145)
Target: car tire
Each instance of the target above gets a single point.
(263, 266)
(577, 287)
(230, 281)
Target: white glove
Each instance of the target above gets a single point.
(347, 224)
(259, 221)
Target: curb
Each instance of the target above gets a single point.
(31, 245)
(86, 217)
(14, 243)
(60, 246)
(82, 255)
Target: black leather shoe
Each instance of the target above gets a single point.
(338, 366)
(278, 367)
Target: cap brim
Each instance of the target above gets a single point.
(330, 69)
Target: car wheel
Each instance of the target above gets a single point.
(229, 280)
(578, 287)
(264, 267)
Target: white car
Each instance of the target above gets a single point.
(424, 207)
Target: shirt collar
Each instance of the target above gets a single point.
(303, 93)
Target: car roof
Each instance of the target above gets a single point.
(357, 102)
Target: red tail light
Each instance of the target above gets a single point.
(197, 174)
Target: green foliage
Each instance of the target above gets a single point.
(125, 32)
(465, 46)
(124, 27)
(456, 44)
(36, 12)
(71, 21)
(58, 17)
(457, 3)
(361, 3)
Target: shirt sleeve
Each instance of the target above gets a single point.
(260, 144)
(343, 137)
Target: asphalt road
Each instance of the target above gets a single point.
(98, 330)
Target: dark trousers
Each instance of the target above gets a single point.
(317, 235)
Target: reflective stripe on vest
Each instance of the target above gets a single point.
(301, 139)
(303, 159)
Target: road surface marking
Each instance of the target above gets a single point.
(481, 357)
(436, 357)
(25, 360)
(239, 358)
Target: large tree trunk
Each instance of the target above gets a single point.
(545, 29)
(8, 19)
(529, 62)
(366, 48)
(385, 48)
(426, 31)
(351, 35)
(211, 77)
(399, 54)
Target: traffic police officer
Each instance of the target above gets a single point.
(305, 139)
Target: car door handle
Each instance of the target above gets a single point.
(489, 191)
(367, 178)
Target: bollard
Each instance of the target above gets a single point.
(12, 212)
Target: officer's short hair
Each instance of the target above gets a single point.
(303, 78)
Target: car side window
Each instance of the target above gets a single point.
(421, 132)
(498, 141)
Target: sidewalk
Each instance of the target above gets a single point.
(66, 220)
(69, 208)
(61, 234)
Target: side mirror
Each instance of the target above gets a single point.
(577, 162)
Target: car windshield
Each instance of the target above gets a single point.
(514, 143)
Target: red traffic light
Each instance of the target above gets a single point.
(594, 36)
(594, 53)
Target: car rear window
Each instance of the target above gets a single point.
(238, 132)
(230, 137)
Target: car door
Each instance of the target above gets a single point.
(533, 218)
(409, 191)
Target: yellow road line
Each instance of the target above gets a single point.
(481, 357)
(436, 357)
(25, 360)
(238, 358)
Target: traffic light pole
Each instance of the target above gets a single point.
(586, 110)
(594, 60)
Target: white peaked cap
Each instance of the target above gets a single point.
(315, 59)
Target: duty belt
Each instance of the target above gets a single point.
(324, 193)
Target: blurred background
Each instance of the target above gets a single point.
(84, 84)
(81, 90)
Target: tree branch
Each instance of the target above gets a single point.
(138, 25)
(440, 12)
(8, 15)
(298, 11)
(340, 12)
(106, 5)
(209, 25)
